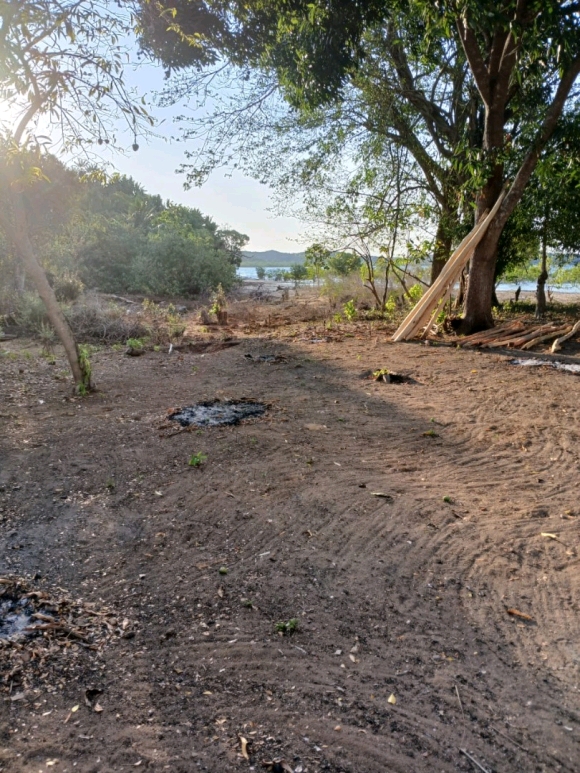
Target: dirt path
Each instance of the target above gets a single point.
(402, 595)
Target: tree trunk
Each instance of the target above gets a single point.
(20, 278)
(460, 297)
(480, 286)
(19, 235)
(542, 279)
(442, 249)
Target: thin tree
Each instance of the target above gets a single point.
(61, 75)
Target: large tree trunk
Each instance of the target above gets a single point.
(19, 235)
(480, 285)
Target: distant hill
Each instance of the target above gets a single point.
(271, 258)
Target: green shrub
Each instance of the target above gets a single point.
(349, 310)
(29, 313)
(344, 263)
(174, 263)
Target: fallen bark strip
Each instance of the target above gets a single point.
(557, 345)
(545, 337)
(419, 316)
(438, 309)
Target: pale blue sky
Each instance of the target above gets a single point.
(231, 199)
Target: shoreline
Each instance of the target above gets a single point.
(563, 298)
(560, 297)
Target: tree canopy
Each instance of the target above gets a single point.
(523, 58)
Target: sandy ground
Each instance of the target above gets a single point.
(556, 297)
(424, 536)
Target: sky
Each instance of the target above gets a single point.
(229, 198)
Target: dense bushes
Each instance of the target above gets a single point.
(175, 263)
(113, 237)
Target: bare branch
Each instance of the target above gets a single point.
(475, 59)
(543, 135)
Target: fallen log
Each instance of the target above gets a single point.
(518, 340)
(557, 345)
(489, 335)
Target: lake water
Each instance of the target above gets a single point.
(510, 287)
(249, 272)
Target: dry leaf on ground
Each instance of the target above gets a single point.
(522, 615)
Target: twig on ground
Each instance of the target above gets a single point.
(474, 761)
(511, 740)
(462, 713)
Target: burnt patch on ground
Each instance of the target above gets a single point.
(215, 413)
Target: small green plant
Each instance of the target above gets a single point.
(47, 337)
(349, 311)
(337, 318)
(379, 375)
(110, 484)
(248, 603)
(390, 306)
(416, 293)
(223, 570)
(430, 433)
(135, 343)
(287, 627)
(86, 370)
(196, 460)
(448, 500)
(218, 301)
